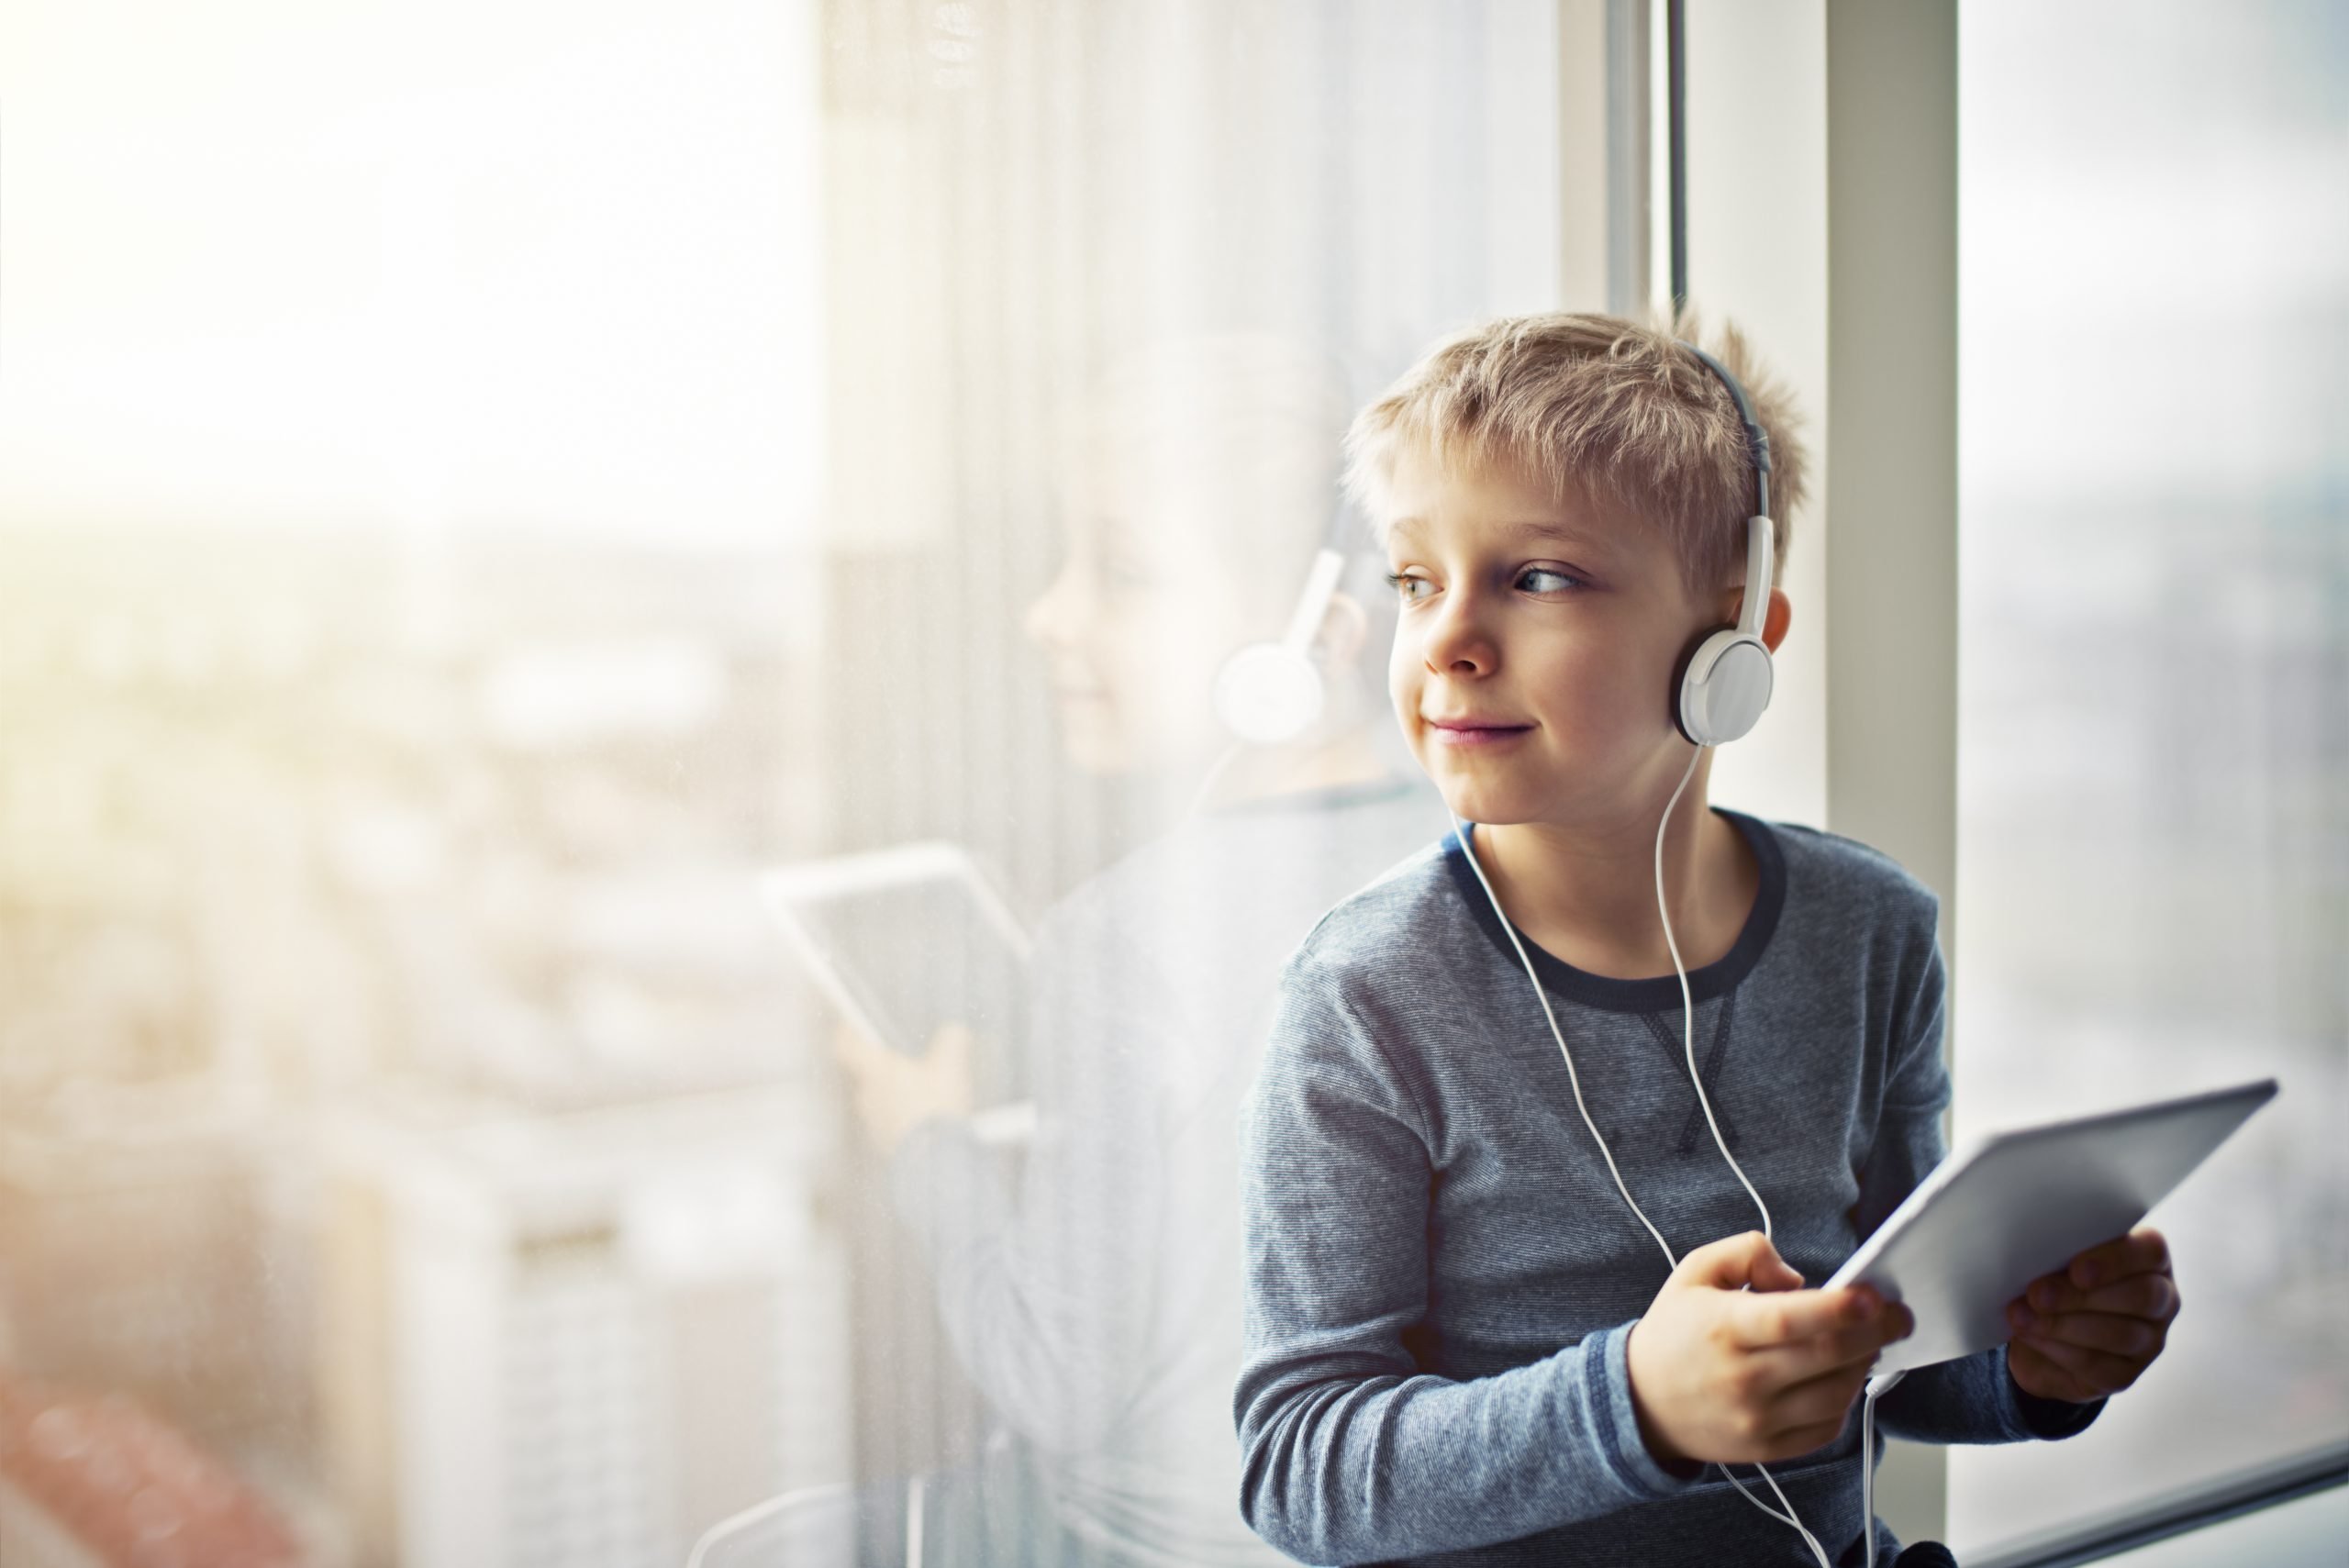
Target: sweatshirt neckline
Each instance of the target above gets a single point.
(1655, 994)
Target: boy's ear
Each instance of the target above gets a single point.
(1775, 621)
(1345, 627)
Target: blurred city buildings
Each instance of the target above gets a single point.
(402, 1095)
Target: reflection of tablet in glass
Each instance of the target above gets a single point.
(2009, 1206)
(906, 940)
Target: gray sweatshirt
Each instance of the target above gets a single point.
(1442, 1276)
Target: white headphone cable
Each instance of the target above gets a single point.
(1509, 929)
(1688, 1015)
(1696, 1080)
(1687, 1005)
(1212, 777)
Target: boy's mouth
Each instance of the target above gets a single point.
(1475, 731)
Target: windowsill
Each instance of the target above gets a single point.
(2301, 1499)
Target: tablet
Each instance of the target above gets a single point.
(2009, 1206)
(906, 938)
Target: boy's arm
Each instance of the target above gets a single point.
(1972, 1399)
(1349, 1451)
(1047, 1295)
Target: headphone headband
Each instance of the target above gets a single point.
(1757, 439)
(1723, 682)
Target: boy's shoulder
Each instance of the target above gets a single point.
(1830, 869)
(1362, 930)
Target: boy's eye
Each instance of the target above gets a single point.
(1535, 579)
(1408, 586)
(1547, 580)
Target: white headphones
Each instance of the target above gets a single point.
(1268, 692)
(1724, 680)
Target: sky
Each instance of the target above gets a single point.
(430, 264)
(450, 263)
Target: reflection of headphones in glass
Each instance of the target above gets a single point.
(1723, 681)
(1267, 692)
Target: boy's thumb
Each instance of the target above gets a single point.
(1746, 1259)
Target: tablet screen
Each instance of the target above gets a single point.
(907, 940)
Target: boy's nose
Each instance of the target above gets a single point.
(1456, 644)
(1052, 620)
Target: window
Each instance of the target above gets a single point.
(482, 483)
(2154, 679)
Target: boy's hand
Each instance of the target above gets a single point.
(2092, 1328)
(895, 1093)
(1737, 1376)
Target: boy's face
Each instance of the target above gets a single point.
(1534, 648)
(1138, 621)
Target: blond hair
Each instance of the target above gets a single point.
(1616, 412)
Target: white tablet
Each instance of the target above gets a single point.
(905, 938)
(2009, 1206)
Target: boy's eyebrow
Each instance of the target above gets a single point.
(1549, 527)
(1524, 530)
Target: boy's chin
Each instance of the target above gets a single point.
(1491, 804)
(1484, 804)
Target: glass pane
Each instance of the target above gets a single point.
(485, 483)
(2154, 679)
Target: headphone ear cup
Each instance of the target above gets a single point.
(1268, 692)
(1680, 670)
(1724, 684)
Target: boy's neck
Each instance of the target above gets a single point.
(1586, 893)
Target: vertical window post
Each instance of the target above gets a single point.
(1891, 486)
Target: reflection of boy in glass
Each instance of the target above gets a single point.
(1098, 1306)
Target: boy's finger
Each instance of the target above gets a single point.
(1782, 1318)
(2143, 1251)
(2026, 1357)
(2098, 1371)
(1831, 1354)
(1827, 1397)
(2130, 1337)
(2153, 1296)
(1746, 1258)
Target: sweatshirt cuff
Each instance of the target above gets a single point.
(2037, 1417)
(1607, 1383)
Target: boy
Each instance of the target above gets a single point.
(1464, 1344)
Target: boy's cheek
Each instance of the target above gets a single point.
(1402, 692)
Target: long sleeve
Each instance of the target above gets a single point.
(1972, 1399)
(1349, 1451)
(1046, 1295)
